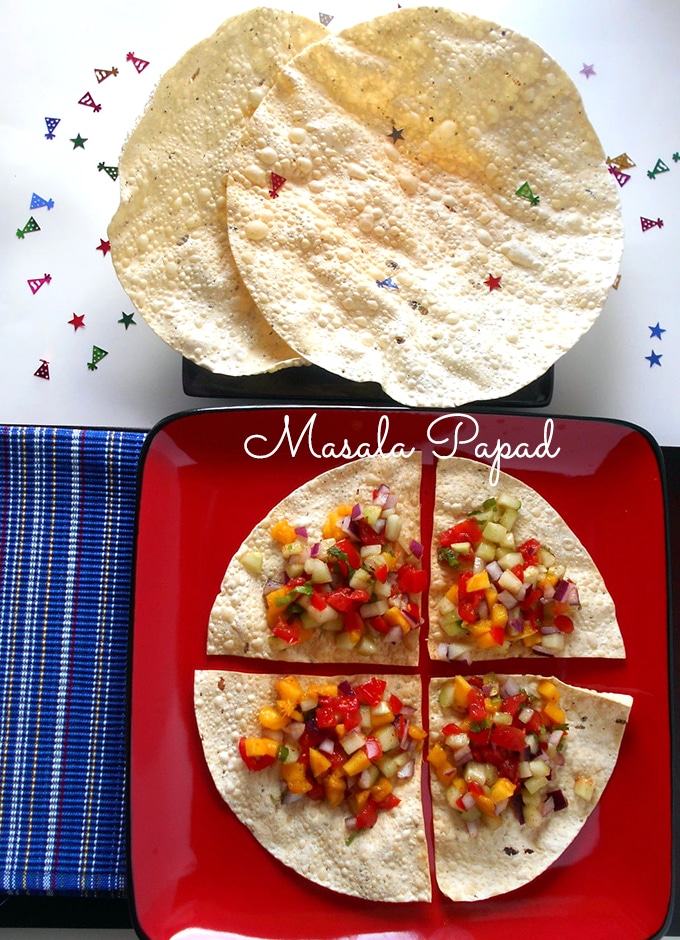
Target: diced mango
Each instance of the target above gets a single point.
(317, 689)
(452, 594)
(416, 733)
(295, 778)
(554, 713)
(261, 747)
(485, 804)
(502, 789)
(486, 640)
(499, 615)
(491, 596)
(318, 762)
(478, 582)
(395, 618)
(283, 532)
(272, 719)
(480, 627)
(381, 789)
(335, 788)
(331, 529)
(357, 762)
(461, 691)
(548, 690)
(289, 688)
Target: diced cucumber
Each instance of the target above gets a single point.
(494, 532)
(252, 561)
(447, 694)
(507, 501)
(393, 527)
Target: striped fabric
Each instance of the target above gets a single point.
(66, 544)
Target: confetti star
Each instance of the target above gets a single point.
(77, 320)
(493, 283)
(78, 141)
(656, 331)
(654, 359)
(397, 133)
(104, 246)
(128, 320)
(587, 70)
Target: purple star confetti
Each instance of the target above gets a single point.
(587, 70)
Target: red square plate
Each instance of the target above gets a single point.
(207, 478)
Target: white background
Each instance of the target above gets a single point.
(48, 54)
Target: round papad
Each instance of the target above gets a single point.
(169, 240)
(421, 201)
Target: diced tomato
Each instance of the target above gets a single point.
(466, 531)
(368, 816)
(529, 550)
(371, 691)
(291, 632)
(476, 705)
(395, 704)
(254, 763)
(564, 624)
(480, 738)
(353, 558)
(352, 620)
(451, 728)
(498, 635)
(513, 703)
(411, 580)
(381, 573)
(390, 801)
(373, 748)
(368, 535)
(508, 737)
(380, 624)
(531, 599)
(467, 611)
(318, 792)
(326, 715)
(344, 599)
(318, 600)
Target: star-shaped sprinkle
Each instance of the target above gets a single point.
(77, 320)
(128, 319)
(397, 133)
(654, 359)
(78, 141)
(104, 246)
(587, 70)
(656, 331)
(493, 283)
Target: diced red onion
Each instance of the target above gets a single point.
(567, 593)
(507, 599)
(542, 651)
(494, 570)
(314, 550)
(356, 511)
(406, 772)
(416, 548)
(510, 687)
(301, 531)
(501, 807)
(462, 755)
(287, 797)
(547, 629)
(271, 585)
(516, 625)
(394, 635)
(294, 730)
(548, 806)
(327, 746)
(345, 688)
(472, 827)
(468, 800)
(350, 823)
(382, 494)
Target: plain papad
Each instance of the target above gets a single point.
(294, 590)
(421, 201)
(528, 587)
(501, 857)
(169, 239)
(388, 862)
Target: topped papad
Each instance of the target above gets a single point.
(169, 239)
(388, 863)
(553, 603)
(421, 201)
(321, 610)
(500, 859)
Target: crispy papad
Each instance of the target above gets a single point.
(237, 623)
(495, 861)
(462, 486)
(169, 240)
(386, 863)
(421, 201)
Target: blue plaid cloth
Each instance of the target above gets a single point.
(67, 515)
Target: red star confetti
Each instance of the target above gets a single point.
(89, 102)
(31, 226)
(650, 223)
(97, 355)
(111, 171)
(77, 321)
(139, 64)
(587, 70)
(35, 283)
(525, 192)
(277, 183)
(660, 167)
(51, 127)
(104, 246)
(493, 283)
(102, 74)
(37, 202)
(43, 370)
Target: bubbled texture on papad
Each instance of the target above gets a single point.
(462, 486)
(387, 863)
(237, 623)
(403, 142)
(499, 860)
(169, 239)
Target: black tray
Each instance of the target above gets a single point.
(313, 385)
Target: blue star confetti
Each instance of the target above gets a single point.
(656, 331)
(654, 359)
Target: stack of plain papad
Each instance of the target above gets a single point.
(418, 201)
(389, 863)
(237, 624)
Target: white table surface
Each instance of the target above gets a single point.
(48, 56)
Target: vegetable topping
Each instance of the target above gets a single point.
(350, 744)
(360, 583)
(503, 593)
(502, 748)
